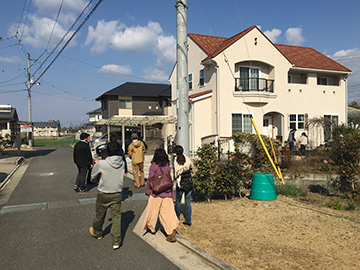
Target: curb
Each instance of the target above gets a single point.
(19, 162)
(204, 254)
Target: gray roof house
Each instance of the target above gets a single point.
(8, 121)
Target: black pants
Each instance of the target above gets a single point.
(83, 174)
(302, 149)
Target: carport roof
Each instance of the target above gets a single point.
(119, 120)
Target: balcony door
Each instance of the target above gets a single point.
(249, 78)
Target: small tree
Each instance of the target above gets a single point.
(204, 178)
(345, 153)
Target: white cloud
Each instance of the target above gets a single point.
(273, 35)
(10, 60)
(38, 31)
(101, 36)
(116, 69)
(294, 36)
(136, 39)
(351, 59)
(165, 50)
(69, 11)
(155, 74)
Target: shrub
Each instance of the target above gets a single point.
(290, 190)
(260, 160)
(345, 153)
(233, 175)
(351, 205)
(334, 204)
(204, 177)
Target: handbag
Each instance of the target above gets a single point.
(160, 183)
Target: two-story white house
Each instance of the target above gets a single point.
(280, 86)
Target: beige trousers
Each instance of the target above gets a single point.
(138, 167)
(162, 208)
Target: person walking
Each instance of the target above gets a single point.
(84, 162)
(160, 206)
(291, 139)
(136, 152)
(303, 142)
(182, 169)
(111, 174)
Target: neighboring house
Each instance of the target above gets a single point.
(50, 128)
(8, 121)
(280, 86)
(136, 107)
(95, 115)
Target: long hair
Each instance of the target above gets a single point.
(180, 158)
(160, 157)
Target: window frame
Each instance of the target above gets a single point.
(190, 81)
(243, 127)
(320, 82)
(328, 129)
(126, 102)
(295, 123)
(202, 77)
(251, 83)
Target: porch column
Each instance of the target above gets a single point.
(143, 132)
(165, 137)
(108, 132)
(123, 137)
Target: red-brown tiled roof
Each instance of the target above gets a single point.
(208, 43)
(200, 94)
(196, 95)
(306, 57)
(303, 57)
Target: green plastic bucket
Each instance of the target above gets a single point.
(263, 187)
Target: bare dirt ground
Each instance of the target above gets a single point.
(279, 234)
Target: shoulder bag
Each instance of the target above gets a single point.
(161, 182)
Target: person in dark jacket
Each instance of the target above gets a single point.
(83, 160)
(115, 138)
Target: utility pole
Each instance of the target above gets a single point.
(29, 100)
(182, 75)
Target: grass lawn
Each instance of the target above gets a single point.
(67, 140)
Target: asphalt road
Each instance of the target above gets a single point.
(46, 223)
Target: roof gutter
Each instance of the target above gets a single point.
(320, 70)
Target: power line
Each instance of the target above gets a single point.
(62, 39)
(77, 30)
(57, 17)
(65, 91)
(13, 78)
(11, 91)
(77, 99)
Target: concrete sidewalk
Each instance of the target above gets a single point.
(8, 166)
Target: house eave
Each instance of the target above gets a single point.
(320, 70)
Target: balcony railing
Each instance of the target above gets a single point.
(254, 85)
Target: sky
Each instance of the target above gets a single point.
(135, 41)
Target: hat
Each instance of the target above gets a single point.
(134, 136)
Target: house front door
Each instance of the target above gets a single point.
(268, 127)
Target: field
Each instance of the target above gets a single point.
(66, 140)
(280, 234)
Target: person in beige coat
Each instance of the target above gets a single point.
(136, 152)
